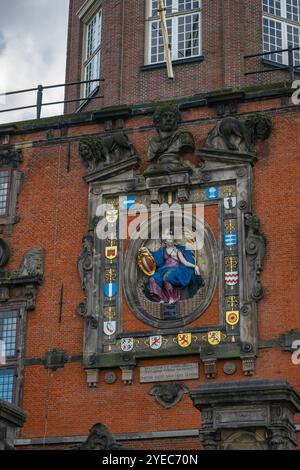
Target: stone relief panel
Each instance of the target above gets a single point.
(168, 282)
(175, 280)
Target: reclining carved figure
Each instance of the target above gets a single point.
(238, 136)
(105, 150)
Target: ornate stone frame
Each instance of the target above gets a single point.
(218, 167)
(231, 407)
(130, 283)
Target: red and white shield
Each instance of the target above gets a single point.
(231, 278)
(155, 342)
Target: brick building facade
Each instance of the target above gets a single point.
(77, 319)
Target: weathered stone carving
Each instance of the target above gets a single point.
(11, 418)
(28, 275)
(244, 440)
(100, 151)
(85, 270)
(127, 374)
(172, 142)
(168, 395)
(92, 377)
(30, 296)
(4, 252)
(237, 136)
(10, 157)
(255, 250)
(100, 438)
(32, 264)
(55, 359)
(85, 261)
(264, 411)
(260, 127)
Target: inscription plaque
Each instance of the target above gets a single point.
(169, 372)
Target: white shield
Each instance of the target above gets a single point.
(109, 327)
(127, 344)
(155, 342)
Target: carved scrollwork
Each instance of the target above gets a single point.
(85, 271)
(255, 250)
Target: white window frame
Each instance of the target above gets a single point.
(86, 15)
(285, 23)
(174, 17)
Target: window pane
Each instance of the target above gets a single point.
(188, 4)
(188, 37)
(293, 10)
(272, 39)
(293, 39)
(92, 72)
(93, 32)
(157, 43)
(272, 6)
(4, 180)
(170, 6)
(7, 379)
(8, 332)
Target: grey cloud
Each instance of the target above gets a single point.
(2, 43)
(33, 37)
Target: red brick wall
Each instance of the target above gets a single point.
(231, 29)
(53, 210)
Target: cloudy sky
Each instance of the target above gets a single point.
(33, 35)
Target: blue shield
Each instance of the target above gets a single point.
(212, 192)
(128, 201)
(110, 290)
(230, 239)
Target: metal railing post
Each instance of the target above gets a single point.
(39, 101)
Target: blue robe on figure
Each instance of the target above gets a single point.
(178, 275)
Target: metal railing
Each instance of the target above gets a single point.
(39, 96)
(290, 66)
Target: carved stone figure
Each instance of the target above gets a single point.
(259, 126)
(10, 157)
(237, 136)
(172, 143)
(168, 395)
(85, 270)
(170, 269)
(99, 151)
(33, 263)
(255, 249)
(85, 261)
(100, 438)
